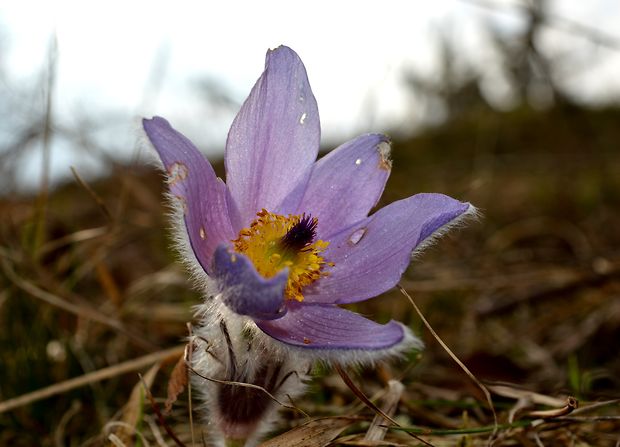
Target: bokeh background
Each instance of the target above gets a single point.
(511, 105)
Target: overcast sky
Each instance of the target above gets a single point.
(145, 57)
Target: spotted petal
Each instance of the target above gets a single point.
(274, 139)
(346, 183)
(329, 327)
(371, 255)
(193, 183)
(244, 290)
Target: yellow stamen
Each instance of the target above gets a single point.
(262, 242)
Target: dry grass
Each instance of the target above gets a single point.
(527, 299)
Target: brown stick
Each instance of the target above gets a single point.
(483, 388)
(95, 376)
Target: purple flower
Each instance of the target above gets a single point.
(287, 239)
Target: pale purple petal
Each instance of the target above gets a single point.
(346, 183)
(371, 255)
(274, 139)
(244, 290)
(329, 327)
(192, 181)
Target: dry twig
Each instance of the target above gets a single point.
(95, 376)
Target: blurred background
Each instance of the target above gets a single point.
(511, 105)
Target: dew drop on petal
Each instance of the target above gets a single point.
(358, 161)
(303, 117)
(202, 233)
(301, 98)
(357, 236)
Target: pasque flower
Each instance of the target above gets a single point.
(282, 244)
(287, 239)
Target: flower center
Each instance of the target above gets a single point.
(274, 242)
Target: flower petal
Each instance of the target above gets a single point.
(191, 179)
(347, 182)
(244, 290)
(274, 139)
(330, 327)
(371, 255)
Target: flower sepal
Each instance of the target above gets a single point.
(244, 290)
